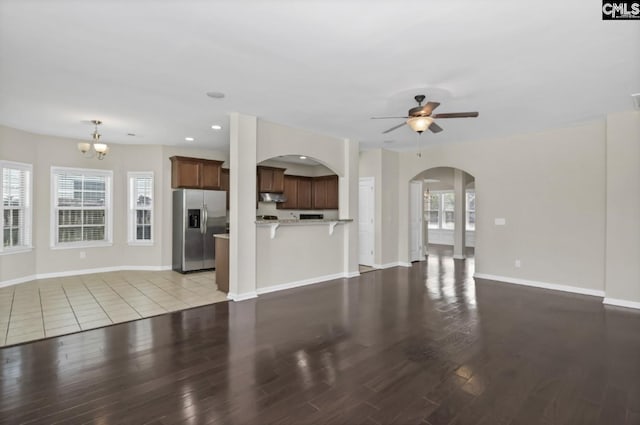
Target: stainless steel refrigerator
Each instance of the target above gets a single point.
(197, 216)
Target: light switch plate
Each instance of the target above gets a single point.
(500, 221)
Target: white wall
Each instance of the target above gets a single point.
(623, 208)
(383, 166)
(46, 151)
(550, 188)
(299, 254)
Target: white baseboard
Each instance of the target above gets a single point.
(621, 303)
(242, 297)
(543, 285)
(68, 273)
(394, 264)
(349, 275)
(17, 280)
(298, 283)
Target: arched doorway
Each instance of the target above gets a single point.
(442, 213)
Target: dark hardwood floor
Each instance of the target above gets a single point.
(419, 345)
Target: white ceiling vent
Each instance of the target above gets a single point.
(636, 100)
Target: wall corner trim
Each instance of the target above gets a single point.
(394, 264)
(542, 285)
(242, 297)
(621, 303)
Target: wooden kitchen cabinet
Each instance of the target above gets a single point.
(291, 192)
(225, 184)
(319, 195)
(333, 199)
(325, 193)
(195, 173)
(305, 201)
(297, 189)
(306, 193)
(270, 179)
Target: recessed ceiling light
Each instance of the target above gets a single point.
(215, 94)
(303, 157)
(189, 139)
(216, 127)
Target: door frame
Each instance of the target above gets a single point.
(369, 192)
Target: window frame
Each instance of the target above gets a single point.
(441, 210)
(27, 207)
(108, 241)
(467, 210)
(133, 208)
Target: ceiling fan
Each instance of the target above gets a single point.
(419, 118)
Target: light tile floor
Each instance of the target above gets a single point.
(51, 307)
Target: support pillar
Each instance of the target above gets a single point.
(243, 134)
(459, 233)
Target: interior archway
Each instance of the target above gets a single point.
(448, 213)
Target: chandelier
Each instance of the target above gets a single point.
(100, 148)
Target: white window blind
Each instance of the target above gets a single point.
(15, 187)
(140, 208)
(81, 202)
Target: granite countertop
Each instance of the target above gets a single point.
(298, 221)
(221, 236)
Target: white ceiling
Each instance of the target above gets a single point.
(144, 67)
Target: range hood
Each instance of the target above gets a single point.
(272, 197)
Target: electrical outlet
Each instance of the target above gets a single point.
(83, 254)
(518, 263)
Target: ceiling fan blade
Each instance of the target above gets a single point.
(457, 115)
(435, 128)
(429, 107)
(393, 128)
(385, 118)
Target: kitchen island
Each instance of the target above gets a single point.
(222, 261)
(292, 252)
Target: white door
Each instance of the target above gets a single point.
(366, 224)
(415, 221)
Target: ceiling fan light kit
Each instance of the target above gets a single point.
(420, 118)
(419, 124)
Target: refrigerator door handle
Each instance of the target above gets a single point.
(204, 219)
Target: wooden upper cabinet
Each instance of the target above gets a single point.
(325, 193)
(225, 184)
(333, 200)
(305, 201)
(291, 192)
(270, 179)
(195, 173)
(306, 193)
(319, 188)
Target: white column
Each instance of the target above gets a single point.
(349, 206)
(242, 206)
(459, 242)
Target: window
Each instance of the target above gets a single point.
(81, 206)
(440, 210)
(15, 188)
(433, 210)
(140, 208)
(448, 211)
(471, 210)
